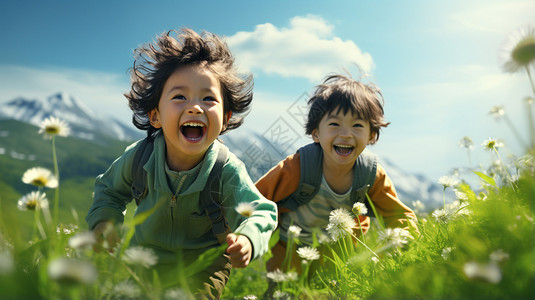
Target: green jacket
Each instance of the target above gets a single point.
(182, 227)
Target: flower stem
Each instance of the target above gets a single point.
(509, 178)
(530, 115)
(56, 171)
(363, 244)
(361, 231)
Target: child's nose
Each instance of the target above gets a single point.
(194, 108)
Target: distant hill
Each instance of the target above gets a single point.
(84, 123)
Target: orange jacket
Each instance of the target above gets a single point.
(283, 179)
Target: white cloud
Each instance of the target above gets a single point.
(492, 16)
(100, 91)
(306, 49)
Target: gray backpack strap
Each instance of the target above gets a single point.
(311, 159)
(210, 197)
(139, 175)
(365, 172)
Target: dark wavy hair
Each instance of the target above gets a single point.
(154, 63)
(342, 93)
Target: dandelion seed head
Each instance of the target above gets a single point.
(72, 271)
(448, 181)
(359, 208)
(32, 201)
(245, 209)
(308, 253)
(441, 215)
(460, 195)
(40, 177)
(294, 232)
(145, 257)
(52, 126)
(488, 272)
(394, 238)
(518, 52)
(340, 223)
(82, 241)
(466, 142)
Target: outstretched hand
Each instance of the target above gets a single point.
(239, 249)
(106, 236)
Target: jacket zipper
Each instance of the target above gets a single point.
(172, 205)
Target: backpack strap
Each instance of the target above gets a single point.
(363, 179)
(210, 197)
(139, 176)
(311, 159)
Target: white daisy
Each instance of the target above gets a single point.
(7, 263)
(491, 144)
(497, 112)
(340, 223)
(40, 177)
(32, 201)
(72, 271)
(518, 53)
(82, 241)
(277, 276)
(54, 126)
(489, 272)
(308, 253)
(245, 209)
(466, 142)
(145, 257)
(126, 289)
(360, 208)
(294, 232)
(442, 215)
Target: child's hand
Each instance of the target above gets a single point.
(104, 232)
(239, 249)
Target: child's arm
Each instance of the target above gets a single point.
(384, 197)
(112, 193)
(252, 233)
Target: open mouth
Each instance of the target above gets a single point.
(193, 131)
(343, 149)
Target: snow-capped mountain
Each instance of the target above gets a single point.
(259, 154)
(84, 123)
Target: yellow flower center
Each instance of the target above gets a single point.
(39, 181)
(31, 205)
(524, 52)
(52, 130)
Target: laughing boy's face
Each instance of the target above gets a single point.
(190, 113)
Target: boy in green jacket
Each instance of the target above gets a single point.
(185, 93)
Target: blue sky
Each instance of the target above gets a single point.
(437, 62)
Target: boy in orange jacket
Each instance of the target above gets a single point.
(344, 117)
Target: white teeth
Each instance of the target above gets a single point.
(193, 124)
(344, 146)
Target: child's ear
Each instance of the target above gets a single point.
(226, 118)
(372, 138)
(315, 136)
(154, 118)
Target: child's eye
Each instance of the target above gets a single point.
(179, 97)
(209, 98)
(333, 124)
(358, 125)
